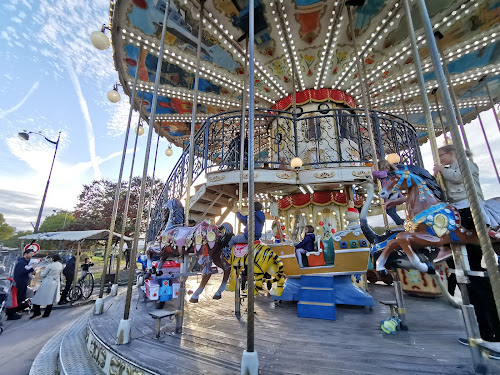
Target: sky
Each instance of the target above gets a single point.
(54, 80)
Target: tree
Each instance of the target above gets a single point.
(6, 231)
(95, 206)
(14, 241)
(57, 222)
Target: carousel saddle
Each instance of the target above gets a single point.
(241, 249)
(178, 237)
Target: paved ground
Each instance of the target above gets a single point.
(22, 339)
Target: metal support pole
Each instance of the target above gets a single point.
(487, 143)
(443, 128)
(153, 180)
(454, 98)
(193, 119)
(77, 265)
(423, 93)
(40, 212)
(140, 205)
(402, 98)
(472, 196)
(364, 97)
(118, 185)
(251, 193)
(242, 137)
(294, 118)
(237, 295)
(485, 80)
(127, 202)
(400, 302)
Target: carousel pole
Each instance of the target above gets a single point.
(127, 202)
(443, 128)
(485, 80)
(423, 93)
(237, 298)
(250, 360)
(179, 318)
(402, 98)
(439, 36)
(294, 103)
(242, 137)
(487, 143)
(99, 303)
(125, 326)
(472, 195)
(153, 180)
(364, 96)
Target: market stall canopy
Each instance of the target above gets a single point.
(74, 236)
(313, 35)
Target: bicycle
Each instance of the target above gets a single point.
(83, 288)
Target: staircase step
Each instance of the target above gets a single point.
(317, 298)
(317, 281)
(47, 360)
(316, 310)
(322, 295)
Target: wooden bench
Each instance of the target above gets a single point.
(159, 315)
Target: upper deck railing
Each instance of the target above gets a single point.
(326, 138)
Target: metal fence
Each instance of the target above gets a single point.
(323, 138)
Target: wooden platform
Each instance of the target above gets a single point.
(214, 339)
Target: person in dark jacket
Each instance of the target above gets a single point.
(260, 219)
(69, 274)
(306, 245)
(22, 279)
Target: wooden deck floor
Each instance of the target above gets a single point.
(214, 339)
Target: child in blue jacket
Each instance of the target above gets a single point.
(306, 245)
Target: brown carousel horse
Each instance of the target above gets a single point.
(204, 240)
(429, 220)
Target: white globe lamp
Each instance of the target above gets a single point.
(114, 95)
(99, 40)
(296, 163)
(169, 151)
(139, 130)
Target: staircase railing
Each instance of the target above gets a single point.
(322, 138)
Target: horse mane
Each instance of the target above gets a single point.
(430, 181)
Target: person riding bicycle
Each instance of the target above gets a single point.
(85, 268)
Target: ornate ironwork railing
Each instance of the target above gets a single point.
(323, 138)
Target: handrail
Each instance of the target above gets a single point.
(330, 137)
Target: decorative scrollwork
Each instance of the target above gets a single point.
(216, 178)
(361, 173)
(285, 175)
(324, 174)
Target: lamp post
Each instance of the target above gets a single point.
(25, 136)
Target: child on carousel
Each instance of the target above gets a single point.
(390, 204)
(306, 245)
(479, 288)
(260, 219)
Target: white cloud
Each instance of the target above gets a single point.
(33, 88)
(88, 122)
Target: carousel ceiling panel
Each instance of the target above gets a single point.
(312, 37)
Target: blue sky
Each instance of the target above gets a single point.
(53, 80)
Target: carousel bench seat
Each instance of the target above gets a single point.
(159, 315)
(317, 257)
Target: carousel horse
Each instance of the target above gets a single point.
(396, 259)
(265, 261)
(429, 220)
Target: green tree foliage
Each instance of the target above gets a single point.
(57, 222)
(14, 241)
(95, 206)
(6, 231)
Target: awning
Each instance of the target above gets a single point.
(74, 236)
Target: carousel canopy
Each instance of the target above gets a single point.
(79, 235)
(315, 37)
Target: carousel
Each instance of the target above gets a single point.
(293, 104)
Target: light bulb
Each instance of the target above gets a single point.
(139, 130)
(99, 40)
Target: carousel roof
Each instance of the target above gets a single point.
(314, 36)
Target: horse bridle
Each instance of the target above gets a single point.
(406, 175)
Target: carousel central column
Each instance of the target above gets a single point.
(99, 303)
(250, 360)
(470, 190)
(125, 326)
(364, 97)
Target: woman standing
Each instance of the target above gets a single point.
(48, 292)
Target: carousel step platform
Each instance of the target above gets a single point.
(159, 315)
(316, 298)
(74, 358)
(47, 360)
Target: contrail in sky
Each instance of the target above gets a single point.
(23, 100)
(88, 122)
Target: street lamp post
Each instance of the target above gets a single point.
(25, 136)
